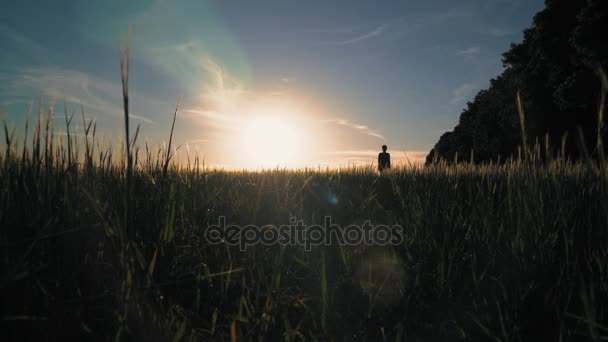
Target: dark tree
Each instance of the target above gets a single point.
(555, 68)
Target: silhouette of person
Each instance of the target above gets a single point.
(384, 159)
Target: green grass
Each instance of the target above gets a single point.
(505, 252)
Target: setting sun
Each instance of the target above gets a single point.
(270, 142)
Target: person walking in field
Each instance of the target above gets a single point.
(384, 160)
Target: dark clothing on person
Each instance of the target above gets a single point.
(384, 161)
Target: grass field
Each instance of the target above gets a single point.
(104, 245)
(94, 249)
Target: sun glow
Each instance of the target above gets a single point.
(270, 142)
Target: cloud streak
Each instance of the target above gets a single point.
(373, 33)
(221, 101)
(95, 94)
(462, 92)
(356, 126)
(470, 53)
(225, 93)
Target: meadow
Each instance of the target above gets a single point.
(104, 243)
(100, 247)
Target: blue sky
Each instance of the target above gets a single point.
(345, 76)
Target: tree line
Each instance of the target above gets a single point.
(557, 70)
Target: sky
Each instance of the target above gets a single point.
(262, 83)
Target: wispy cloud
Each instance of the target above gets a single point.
(94, 94)
(356, 126)
(221, 100)
(224, 92)
(367, 35)
(393, 29)
(212, 119)
(463, 92)
(196, 142)
(500, 32)
(470, 53)
(142, 119)
(180, 47)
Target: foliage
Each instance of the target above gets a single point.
(555, 69)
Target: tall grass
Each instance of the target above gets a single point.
(600, 113)
(98, 247)
(501, 251)
(522, 122)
